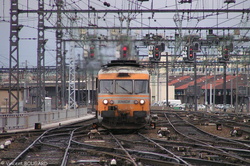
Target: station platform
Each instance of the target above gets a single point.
(55, 124)
(13, 122)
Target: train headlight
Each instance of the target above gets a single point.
(136, 102)
(111, 102)
(105, 101)
(142, 102)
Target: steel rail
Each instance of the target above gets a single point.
(129, 150)
(202, 142)
(66, 153)
(162, 148)
(126, 152)
(28, 148)
(229, 140)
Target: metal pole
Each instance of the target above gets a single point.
(237, 72)
(6, 99)
(158, 88)
(214, 87)
(92, 95)
(248, 90)
(210, 95)
(206, 89)
(167, 80)
(248, 86)
(195, 85)
(224, 87)
(78, 83)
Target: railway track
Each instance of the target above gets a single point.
(140, 149)
(228, 121)
(227, 147)
(134, 152)
(49, 148)
(184, 145)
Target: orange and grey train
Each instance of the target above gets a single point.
(123, 95)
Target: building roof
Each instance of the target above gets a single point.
(182, 82)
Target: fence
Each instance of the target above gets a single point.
(28, 120)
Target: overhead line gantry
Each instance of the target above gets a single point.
(145, 11)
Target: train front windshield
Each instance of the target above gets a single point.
(141, 86)
(123, 86)
(106, 86)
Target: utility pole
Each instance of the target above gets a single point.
(72, 86)
(14, 58)
(40, 104)
(224, 86)
(59, 58)
(167, 79)
(195, 84)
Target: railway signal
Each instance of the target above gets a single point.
(91, 51)
(188, 54)
(157, 52)
(125, 51)
(225, 54)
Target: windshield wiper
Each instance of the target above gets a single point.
(124, 89)
(108, 90)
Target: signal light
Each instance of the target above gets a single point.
(190, 54)
(91, 51)
(225, 54)
(157, 53)
(124, 51)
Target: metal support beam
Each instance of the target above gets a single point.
(59, 58)
(167, 79)
(216, 11)
(149, 27)
(195, 84)
(40, 104)
(72, 80)
(14, 58)
(224, 85)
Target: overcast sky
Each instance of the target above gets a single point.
(28, 34)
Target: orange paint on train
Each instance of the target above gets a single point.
(131, 76)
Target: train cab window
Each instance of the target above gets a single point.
(124, 86)
(106, 86)
(141, 86)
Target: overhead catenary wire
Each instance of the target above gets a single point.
(137, 18)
